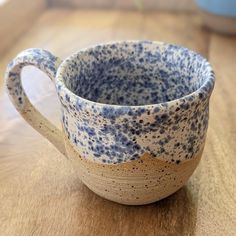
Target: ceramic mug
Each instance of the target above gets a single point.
(134, 114)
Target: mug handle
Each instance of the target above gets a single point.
(49, 64)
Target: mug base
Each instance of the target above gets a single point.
(136, 182)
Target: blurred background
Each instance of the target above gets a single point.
(18, 16)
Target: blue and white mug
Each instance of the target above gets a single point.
(134, 114)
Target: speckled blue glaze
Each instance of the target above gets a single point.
(43, 59)
(47, 63)
(124, 99)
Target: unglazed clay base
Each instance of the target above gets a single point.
(138, 182)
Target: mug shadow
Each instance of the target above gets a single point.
(174, 215)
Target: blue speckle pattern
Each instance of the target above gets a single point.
(121, 100)
(134, 74)
(40, 58)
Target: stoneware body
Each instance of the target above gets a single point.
(134, 115)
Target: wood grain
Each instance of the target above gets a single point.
(170, 5)
(16, 17)
(41, 194)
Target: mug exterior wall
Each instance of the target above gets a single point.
(172, 131)
(136, 154)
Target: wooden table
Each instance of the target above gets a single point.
(41, 194)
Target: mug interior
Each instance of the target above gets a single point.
(134, 73)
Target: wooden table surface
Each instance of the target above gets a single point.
(41, 194)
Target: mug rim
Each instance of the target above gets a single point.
(204, 90)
